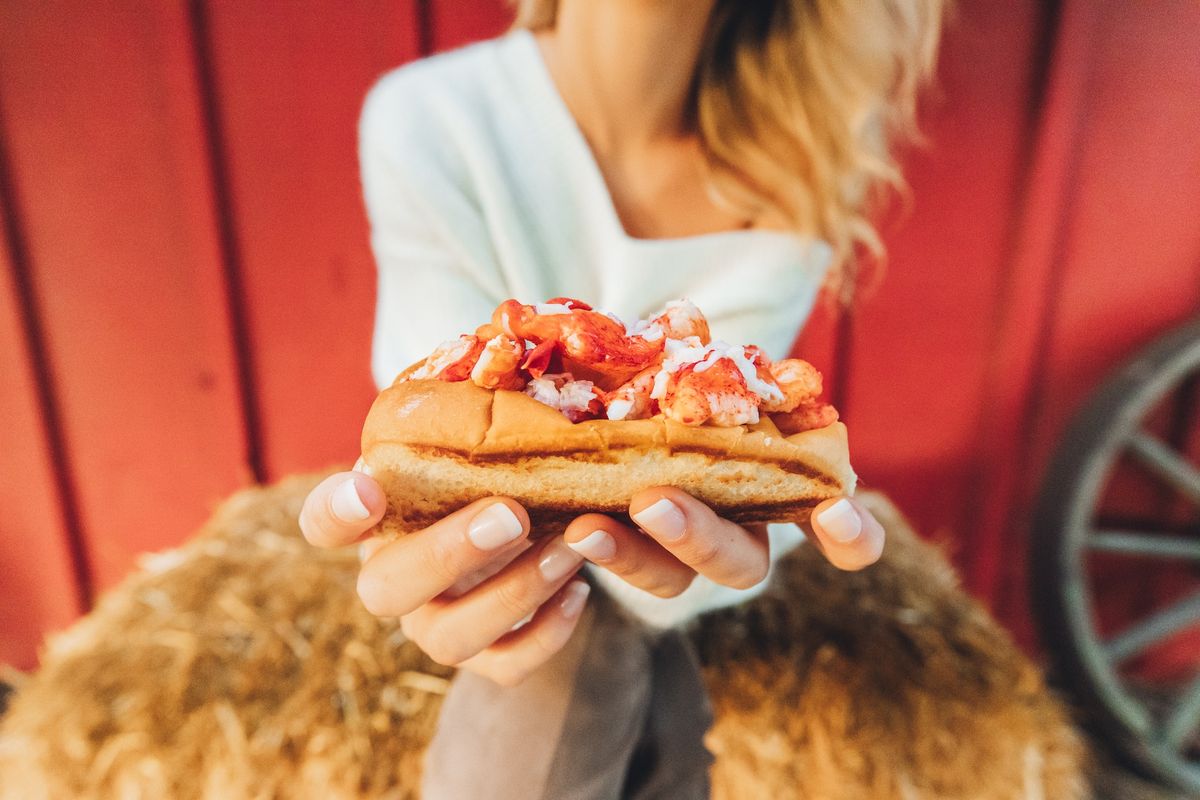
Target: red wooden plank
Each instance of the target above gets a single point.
(453, 23)
(1132, 260)
(289, 81)
(1130, 248)
(1015, 370)
(108, 160)
(38, 591)
(920, 342)
(818, 344)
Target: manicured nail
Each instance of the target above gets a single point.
(494, 527)
(346, 505)
(663, 519)
(596, 546)
(573, 599)
(558, 561)
(841, 522)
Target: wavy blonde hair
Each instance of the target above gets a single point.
(799, 106)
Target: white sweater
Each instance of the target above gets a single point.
(479, 186)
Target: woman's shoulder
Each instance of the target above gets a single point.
(454, 87)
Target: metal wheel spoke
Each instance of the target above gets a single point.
(1151, 545)
(1166, 464)
(1141, 635)
(1184, 719)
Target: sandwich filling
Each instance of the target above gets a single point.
(590, 364)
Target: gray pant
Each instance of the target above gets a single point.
(618, 714)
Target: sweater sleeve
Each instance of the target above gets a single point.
(436, 277)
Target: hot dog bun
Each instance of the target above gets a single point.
(435, 446)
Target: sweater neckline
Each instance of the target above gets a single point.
(572, 138)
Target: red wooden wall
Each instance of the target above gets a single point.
(185, 304)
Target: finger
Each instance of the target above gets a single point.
(721, 550)
(504, 556)
(452, 630)
(848, 533)
(518, 653)
(341, 509)
(632, 555)
(408, 572)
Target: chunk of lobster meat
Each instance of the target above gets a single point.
(805, 417)
(762, 365)
(541, 359)
(499, 364)
(632, 399)
(718, 395)
(581, 400)
(799, 381)
(452, 360)
(576, 400)
(680, 319)
(488, 331)
(570, 302)
(588, 338)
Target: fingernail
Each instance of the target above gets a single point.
(663, 519)
(573, 599)
(596, 546)
(494, 527)
(558, 560)
(346, 505)
(840, 522)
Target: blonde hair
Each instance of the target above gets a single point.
(799, 106)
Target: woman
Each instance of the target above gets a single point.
(626, 152)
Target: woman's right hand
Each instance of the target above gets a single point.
(461, 587)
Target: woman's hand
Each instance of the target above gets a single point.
(462, 586)
(687, 539)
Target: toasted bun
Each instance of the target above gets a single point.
(435, 446)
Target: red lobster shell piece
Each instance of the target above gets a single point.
(452, 360)
(592, 344)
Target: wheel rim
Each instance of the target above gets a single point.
(1108, 429)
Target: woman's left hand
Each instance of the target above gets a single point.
(687, 538)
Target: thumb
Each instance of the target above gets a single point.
(848, 534)
(341, 509)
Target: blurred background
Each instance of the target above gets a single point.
(186, 290)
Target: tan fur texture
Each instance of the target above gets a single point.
(243, 666)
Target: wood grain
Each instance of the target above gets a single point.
(108, 158)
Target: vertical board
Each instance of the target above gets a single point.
(108, 160)
(1135, 213)
(1128, 259)
(819, 343)
(289, 81)
(453, 23)
(1015, 365)
(37, 576)
(920, 340)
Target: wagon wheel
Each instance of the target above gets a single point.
(1153, 722)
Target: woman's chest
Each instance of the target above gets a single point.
(666, 192)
